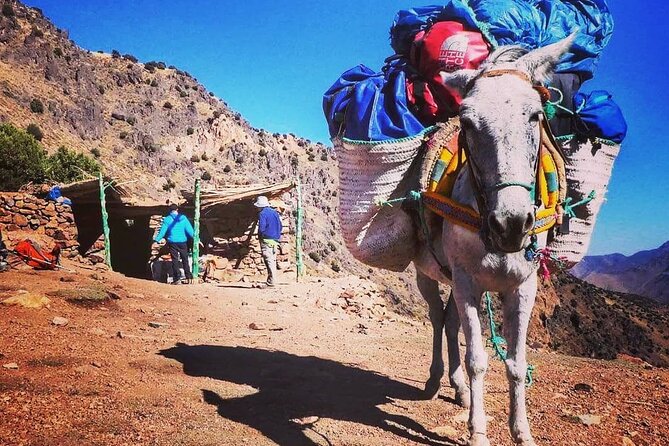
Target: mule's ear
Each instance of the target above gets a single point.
(541, 62)
(458, 80)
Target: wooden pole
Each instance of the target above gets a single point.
(196, 234)
(105, 220)
(298, 232)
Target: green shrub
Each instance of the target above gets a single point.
(195, 159)
(190, 131)
(66, 166)
(335, 266)
(37, 32)
(154, 83)
(123, 135)
(22, 158)
(7, 10)
(95, 152)
(115, 54)
(168, 105)
(183, 94)
(206, 176)
(131, 120)
(316, 257)
(205, 157)
(227, 168)
(58, 52)
(34, 130)
(169, 185)
(36, 106)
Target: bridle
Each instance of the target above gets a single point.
(548, 192)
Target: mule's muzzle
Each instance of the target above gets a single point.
(509, 233)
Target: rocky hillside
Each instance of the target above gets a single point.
(645, 273)
(154, 123)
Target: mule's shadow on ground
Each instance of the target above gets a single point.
(290, 387)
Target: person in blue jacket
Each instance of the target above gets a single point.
(269, 233)
(177, 230)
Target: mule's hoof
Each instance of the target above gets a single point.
(431, 389)
(478, 440)
(462, 399)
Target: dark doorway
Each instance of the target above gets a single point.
(131, 240)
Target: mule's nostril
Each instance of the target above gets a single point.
(529, 222)
(495, 224)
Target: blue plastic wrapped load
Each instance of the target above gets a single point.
(367, 106)
(530, 23)
(598, 116)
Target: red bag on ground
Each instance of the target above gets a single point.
(445, 46)
(32, 253)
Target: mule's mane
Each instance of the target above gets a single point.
(504, 54)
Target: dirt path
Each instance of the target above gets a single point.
(312, 372)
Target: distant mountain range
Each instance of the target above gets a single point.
(645, 273)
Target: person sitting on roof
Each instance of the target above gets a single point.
(269, 233)
(177, 230)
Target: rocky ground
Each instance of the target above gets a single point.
(113, 361)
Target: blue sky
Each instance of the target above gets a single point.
(272, 61)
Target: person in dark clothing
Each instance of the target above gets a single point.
(177, 230)
(269, 233)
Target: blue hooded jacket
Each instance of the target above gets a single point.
(176, 228)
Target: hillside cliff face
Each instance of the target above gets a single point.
(645, 273)
(156, 125)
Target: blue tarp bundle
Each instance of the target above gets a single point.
(530, 23)
(369, 106)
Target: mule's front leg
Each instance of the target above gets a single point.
(517, 310)
(429, 289)
(455, 374)
(468, 299)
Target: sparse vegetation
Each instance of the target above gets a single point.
(336, 267)
(168, 105)
(36, 106)
(22, 158)
(131, 120)
(95, 152)
(205, 157)
(169, 185)
(195, 159)
(227, 168)
(58, 52)
(190, 131)
(262, 152)
(123, 135)
(35, 131)
(130, 57)
(7, 10)
(316, 257)
(66, 166)
(206, 176)
(115, 54)
(183, 94)
(154, 83)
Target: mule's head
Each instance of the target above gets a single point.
(499, 116)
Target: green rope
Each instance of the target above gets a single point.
(569, 208)
(498, 342)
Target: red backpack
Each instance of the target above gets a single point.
(33, 254)
(445, 46)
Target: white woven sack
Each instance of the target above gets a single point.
(589, 168)
(371, 173)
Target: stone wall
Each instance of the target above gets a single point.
(27, 216)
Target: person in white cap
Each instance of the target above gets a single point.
(269, 233)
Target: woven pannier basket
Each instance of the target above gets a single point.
(369, 174)
(589, 168)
